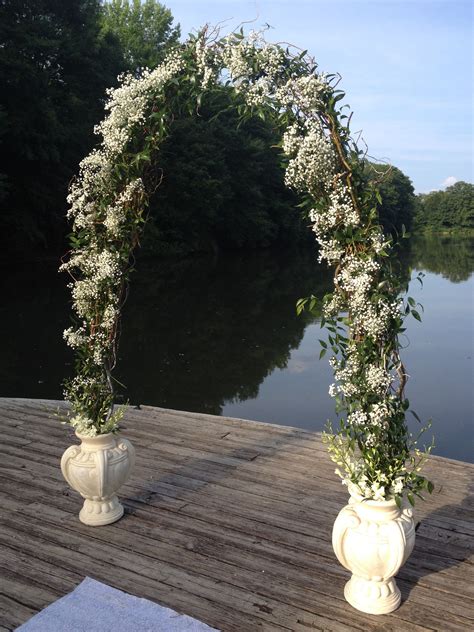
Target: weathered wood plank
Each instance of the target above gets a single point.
(227, 520)
(245, 553)
(13, 613)
(128, 575)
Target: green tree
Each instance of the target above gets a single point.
(446, 211)
(398, 197)
(222, 186)
(145, 30)
(55, 63)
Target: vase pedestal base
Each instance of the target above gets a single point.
(371, 596)
(101, 512)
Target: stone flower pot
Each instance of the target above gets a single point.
(373, 539)
(96, 469)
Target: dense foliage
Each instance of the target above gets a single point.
(398, 198)
(445, 211)
(144, 29)
(55, 63)
(222, 185)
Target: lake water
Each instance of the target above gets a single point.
(220, 335)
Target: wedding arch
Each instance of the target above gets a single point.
(371, 446)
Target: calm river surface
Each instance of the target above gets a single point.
(221, 336)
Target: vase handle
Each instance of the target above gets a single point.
(347, 519)
(69, 454)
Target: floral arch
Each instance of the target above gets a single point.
(364, 315)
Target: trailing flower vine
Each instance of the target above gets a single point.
(372, 447)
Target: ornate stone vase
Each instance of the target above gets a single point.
(373, 539)
(96, 469)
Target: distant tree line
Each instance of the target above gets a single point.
(222, 182)
(450, 210)
(446, 211)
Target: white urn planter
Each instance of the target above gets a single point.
(97, 468)
(373, 539)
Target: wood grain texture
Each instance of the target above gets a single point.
(227, 520)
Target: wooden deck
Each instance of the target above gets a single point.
(227, 520)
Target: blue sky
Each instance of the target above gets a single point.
(407, 68)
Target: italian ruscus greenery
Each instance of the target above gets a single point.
(375, 454)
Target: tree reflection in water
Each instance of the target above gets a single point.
(203, 332)
(450, 256)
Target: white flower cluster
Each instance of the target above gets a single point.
(334, 305)
(95, 265)
(358, 277)
(379, 415)
(340, 211)
(331, 251)
(397, 486)
(116, 213)
(95, 297)
(272, 60)
(357, 418)
(303, 92)
(237, 59)
(75, 338)
(128, 104)
(378, 241)
(312, 161)
(354, 470)
(83, 426)
(346, 376)
(378, 379)
(374, 491)
(379, 489)
(257, 93)
(356, 382)
(93, 181)
(374, 318)
(204, 62)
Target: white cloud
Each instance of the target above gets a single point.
(449, 181)
(296, 365)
